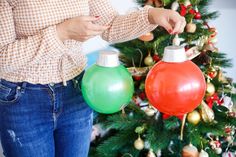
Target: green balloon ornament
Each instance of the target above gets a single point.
(107, 86)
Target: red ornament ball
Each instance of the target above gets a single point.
(192, 11)
(156, 58)
(175, 88)
(212, 74)
(198, 15)
(142, 95)
(137, 77)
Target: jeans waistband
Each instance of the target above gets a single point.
(77, 79)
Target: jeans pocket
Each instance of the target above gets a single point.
(77, 81)
(8, 94)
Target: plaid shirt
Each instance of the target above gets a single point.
(30, 49)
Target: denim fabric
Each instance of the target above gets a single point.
(44, 120)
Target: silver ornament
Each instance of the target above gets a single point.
(218, 150)
(187, 3)
(203, 154)
(175, 6)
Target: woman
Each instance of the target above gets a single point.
(41, 65)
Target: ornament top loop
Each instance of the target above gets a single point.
(174, 54)
(108, 59)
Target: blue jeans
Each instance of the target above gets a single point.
(44, 120)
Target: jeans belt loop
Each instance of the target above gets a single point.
(23, 87)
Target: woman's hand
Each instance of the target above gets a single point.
(80, 28)
(169, 19)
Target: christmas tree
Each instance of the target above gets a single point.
(140, 129)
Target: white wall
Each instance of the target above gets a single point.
(226, 26)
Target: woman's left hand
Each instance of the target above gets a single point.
(169, 19)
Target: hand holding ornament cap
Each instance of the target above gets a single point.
(169, 19)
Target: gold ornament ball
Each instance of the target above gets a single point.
(139, 144)
(148, 60)
(194, 117)
(190, 151)
(191, 27)
(210, 90)
(203, 154)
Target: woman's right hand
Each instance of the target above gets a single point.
(80, 28)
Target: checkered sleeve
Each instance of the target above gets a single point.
(17, 53)
(123, 27)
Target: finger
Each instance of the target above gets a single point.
(85, 38)
(93, 33)
(167, 26)
(177, 27)
(183, 24)
(174, 16)
(96, 27)
(88, 18)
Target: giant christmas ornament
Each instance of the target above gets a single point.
(107, 86)
(175, 85)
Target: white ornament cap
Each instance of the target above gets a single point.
(174, 54)
(108, 59)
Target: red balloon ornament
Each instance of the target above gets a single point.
(175, 85)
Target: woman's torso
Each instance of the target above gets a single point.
(32, 16)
